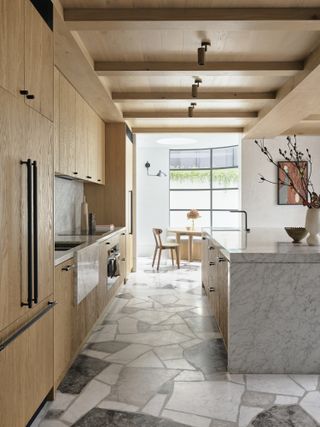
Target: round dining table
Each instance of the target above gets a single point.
(186, 232)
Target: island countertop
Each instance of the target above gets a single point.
(262, 245)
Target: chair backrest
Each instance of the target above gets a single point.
(156, 233)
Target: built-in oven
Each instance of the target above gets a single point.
(113, 264)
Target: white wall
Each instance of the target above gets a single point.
(260, 200)
(153, 192)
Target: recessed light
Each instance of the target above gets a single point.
(176, 141)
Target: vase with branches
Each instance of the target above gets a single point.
(299, 180)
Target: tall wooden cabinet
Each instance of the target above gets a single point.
(26, 200)
(113, 202)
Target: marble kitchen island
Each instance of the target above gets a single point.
(264, 292)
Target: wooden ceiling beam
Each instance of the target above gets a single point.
(297, 99)
(274, 68)
(178, 96)
(184, 114)
(294, 18)
(187, 129)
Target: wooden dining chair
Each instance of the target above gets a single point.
(163, 246)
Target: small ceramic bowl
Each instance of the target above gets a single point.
(296, 233)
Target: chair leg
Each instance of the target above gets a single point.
(171, 250)
(154, 256)
(178, 258)
(159, 258)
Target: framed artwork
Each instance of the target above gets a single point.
(286, 194)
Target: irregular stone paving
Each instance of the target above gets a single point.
(158, 359)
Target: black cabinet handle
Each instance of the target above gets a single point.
(28, 163)
(89, 177)
(24, 92)
(75, 173)
(30, 96)
(35, 233)
(67, 267)
(99, 180)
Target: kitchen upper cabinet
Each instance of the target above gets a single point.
(67, 128)
(64, 319)
(26, 372)
(56, 119)
(38, 62)
(80, 147)
(12, 45)
(81, 137)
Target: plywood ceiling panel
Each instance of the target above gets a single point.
(187, 3)
(232, 83)
(176, 45)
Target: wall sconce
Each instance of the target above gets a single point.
(196, 84)
(201, 52)
(191, 108)
(159, 174)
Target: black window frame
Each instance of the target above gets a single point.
(211, 188)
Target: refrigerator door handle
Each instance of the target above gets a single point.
(35, 234)
(28, 163)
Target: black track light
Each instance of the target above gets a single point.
(196, 84)
(191, 108)
(201, 52)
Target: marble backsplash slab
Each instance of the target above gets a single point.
(67, 210)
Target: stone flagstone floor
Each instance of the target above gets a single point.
(157, 359)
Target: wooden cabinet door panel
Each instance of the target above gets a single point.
(38, 61)
(67, 127)
(64, 313)
(39, 147)
(81, 138)
(224, 300)
(12, 194)
(26, 371)
(12, 45)
(56, 120)
(101, 162)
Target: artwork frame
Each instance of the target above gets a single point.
(287, 196)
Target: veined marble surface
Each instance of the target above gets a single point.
(262, 245)
(83, 240)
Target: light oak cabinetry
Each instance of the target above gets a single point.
(64, 311)
(26, 223)
(215, 281)
(38, 62)
(80, 144)
(113, 202)
(12, 45)
(26, 55)
(26, 370)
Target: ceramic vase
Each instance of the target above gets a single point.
(313, 226)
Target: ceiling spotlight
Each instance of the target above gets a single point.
(196, 84)
(191, 108)
(201, 52)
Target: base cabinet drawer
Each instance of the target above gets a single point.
(26, 372)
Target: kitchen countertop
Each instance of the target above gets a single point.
(262, 245)
(84, 241)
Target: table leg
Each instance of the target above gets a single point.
(190, 249)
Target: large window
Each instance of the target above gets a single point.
(205, 180)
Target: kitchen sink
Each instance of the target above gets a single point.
(65, 246)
